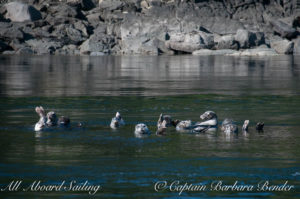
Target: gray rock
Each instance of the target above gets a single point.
(68, 50)
(97, 43)
(221, 25)
(184, 46)
(258, 51)
(249, 39)
(283, 46)
(227, 42)
(205, 52)
(20, 12)
(93, 18)
(44, 46)
(82, 26)
(10, 32)
(161, 46)
(110, 4)
(74, 35)
(283, 29)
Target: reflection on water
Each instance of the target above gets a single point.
(151, 75)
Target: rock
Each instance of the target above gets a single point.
(259, 51)
(227, 42)
(184, 46)
(205, 52)
(140, 45)
(93, 19)
(297, 47)
(20, 12)
(97, 43)
(68, 50)
(82, 26)
(283, 29)
(10, 32)
(74, 35)
(44, 46)
(25, 51)
(9, 52)
(83, 4)
(283, 46)
(189, 42)
(64, 11)
(161, 46)
(221, 25)
(110, 4)
(249, 39)
(97, 54)
(3, 46)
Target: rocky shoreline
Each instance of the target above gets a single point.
(154, 27)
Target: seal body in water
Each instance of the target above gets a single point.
(210, 123)
(229, 126)
(41, 124)
(117, 121)
(141, 129)
(260, 126)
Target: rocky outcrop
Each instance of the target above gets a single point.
(20, 12)
(283, 46)
(100, 27)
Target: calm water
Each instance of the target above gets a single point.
(91, 89)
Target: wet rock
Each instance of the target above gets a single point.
(283, 29)
(205, 52)
(44, 46)
(20, 12)
(283, 46)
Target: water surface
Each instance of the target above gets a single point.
(91, 89)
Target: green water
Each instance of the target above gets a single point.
(129, 167)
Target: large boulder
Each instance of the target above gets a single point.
(249, 39)
(44, 46)
(283, 46)
(226, 42)
(189, 42)
(221, 25)
(283, 29)
(20, 12)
